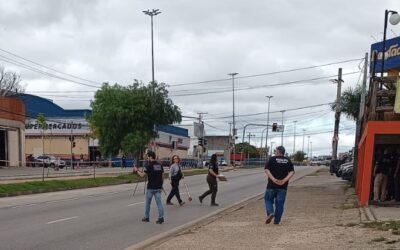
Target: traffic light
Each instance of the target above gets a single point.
(274, 126)
(74, 144)
(205, 142)
(71, 138)
(200, 142)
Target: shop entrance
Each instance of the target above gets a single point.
(385, 179)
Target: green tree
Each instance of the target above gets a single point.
(124, 119)
(299, 156)
(41, 120)
(350, 102)
(247, 149)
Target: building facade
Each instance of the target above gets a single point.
(12, 132)
(68, 133)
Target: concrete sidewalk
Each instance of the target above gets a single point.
(321, 213)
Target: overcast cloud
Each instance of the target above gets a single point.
(109, 41)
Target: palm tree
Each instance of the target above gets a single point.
(350, 102)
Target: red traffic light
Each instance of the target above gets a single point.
(274, 126)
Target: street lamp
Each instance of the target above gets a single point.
(283, 127)
(272, 143)
(294, 138)
(152, 13)
(266, 136)
(394, 19)
(233, 116)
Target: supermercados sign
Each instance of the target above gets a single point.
(58, 126)
(392, 55)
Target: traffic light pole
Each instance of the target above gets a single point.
(72, 141)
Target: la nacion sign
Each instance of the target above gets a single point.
(392, 55)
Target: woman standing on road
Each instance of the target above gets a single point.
(175, 175)
(212, 181)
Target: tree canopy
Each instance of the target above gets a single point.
(124, 119)
(350, 102)
(248, 149)
(10, 82)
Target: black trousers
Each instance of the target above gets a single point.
(213, 188)
(174, 191)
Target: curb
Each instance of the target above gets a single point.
(163, 237)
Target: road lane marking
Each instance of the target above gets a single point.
(61, 220)
(137, 203)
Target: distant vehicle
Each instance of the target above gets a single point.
(222, 163)
(315, 162)
(31, 161)
(326, 161)
(49, 161)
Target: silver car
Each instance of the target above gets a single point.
(50, 161)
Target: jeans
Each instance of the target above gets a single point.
(157, 196)
(277, 197)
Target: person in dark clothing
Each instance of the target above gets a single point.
(279, 169)
(123, 161)
(175, 175)
(155, 173)
(212, 177)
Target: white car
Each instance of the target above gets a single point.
(50, 161)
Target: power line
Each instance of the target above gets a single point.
(23, 65)
(269, 73)
(261, 86)
(44, 66)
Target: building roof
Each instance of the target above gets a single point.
(36, 104)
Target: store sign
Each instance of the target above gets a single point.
(58, 125)
(392, 55)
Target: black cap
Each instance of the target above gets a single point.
(281, 149)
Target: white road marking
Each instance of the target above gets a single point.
(137, 203)
(61, 220)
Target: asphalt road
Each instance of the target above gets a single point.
(109, 217)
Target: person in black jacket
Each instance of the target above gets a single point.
(154, 172)
(212, 181)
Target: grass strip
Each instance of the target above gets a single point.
(34, 187)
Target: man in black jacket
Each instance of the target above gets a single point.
(279, 169)
(154, 172)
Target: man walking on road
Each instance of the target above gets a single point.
(279, 169)
(154, 172)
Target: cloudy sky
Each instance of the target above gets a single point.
(64, 50)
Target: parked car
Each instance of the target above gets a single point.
(347, 171)
(49, 161)
(315, 162)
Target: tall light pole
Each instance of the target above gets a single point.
(266, 136)
(311, 149)
(302, 148)
(308, 146)
(272, 143)
(394, 19)
(294, 138)
(233, 116)
(283, 127)
(152, 13)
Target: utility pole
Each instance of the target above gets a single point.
(272, 143)
(233, 117)
(308, 147)
(302, 148)
(266, 136)
(335, 139)
(229, 144)
(248, 150)
(202, 138)
(152, 13)
(311, 149)
(294, 138)
(283, 127)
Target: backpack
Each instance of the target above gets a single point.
(178, 175)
